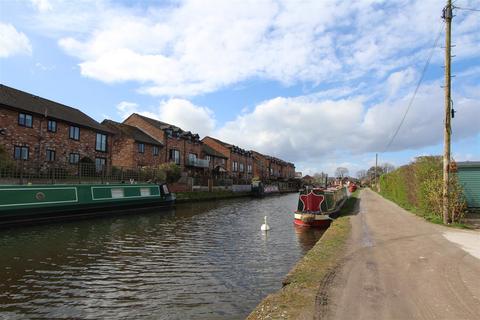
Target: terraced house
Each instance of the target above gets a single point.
(45, 133)
(181, 147)
(239, 162)
(132, 147)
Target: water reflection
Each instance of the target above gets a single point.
(206, 260)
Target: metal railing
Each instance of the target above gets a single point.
(23, 172)
(199, 163)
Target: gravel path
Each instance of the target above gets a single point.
(400, 267)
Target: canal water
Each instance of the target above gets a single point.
(205, 260)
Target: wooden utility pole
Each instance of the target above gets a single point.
(447, 16)
(376, 165)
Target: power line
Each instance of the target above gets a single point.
(467, 9)
(416, 89)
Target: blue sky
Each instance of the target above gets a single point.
(320, 83)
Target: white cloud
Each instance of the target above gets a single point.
(179, 112)
(125, 108)
(188, 116)
(306, 129)
(13, 42)
(42, 5)
(196, 47)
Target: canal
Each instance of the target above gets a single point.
(205, 260)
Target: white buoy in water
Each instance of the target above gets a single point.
(265, 226)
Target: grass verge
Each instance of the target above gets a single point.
(183, 197)
(296, 300)
(430, 217)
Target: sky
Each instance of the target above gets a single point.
(323, 84)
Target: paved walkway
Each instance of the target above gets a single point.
(401, 267)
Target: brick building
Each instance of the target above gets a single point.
(239, 162)
(45, 133)
(260, 166)
(131, 147)
(181, 147)
(217, 161)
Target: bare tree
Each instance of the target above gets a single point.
(361, 174)
(341, 172)
(387, 167)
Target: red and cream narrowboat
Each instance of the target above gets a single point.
(317, 207)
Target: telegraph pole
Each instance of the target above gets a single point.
(447, 16)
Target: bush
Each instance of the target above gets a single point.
(5, 161)
(170, 171)
(419, 186)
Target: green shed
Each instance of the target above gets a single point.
(469, 176)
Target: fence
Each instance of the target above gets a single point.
(22, 172)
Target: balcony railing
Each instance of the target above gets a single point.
(199, 163)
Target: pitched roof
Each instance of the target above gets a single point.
(132, 132)
(27, 102)
(210, 151)
(176, 131)
(227, 145)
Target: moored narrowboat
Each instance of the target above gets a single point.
(27, 203)
(317, 207)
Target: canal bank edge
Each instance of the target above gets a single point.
(195, 196)
(305, 285)
(187, 197)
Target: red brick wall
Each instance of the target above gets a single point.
(221, 149)
(136, 121)
(260, 166)
(125, 154)
(38, 139)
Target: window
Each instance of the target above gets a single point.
(234, 166)
(175, 156)
(74, 158)
(52, 126)
(241, 167)
(249, 168)
(50, 155)
(141, 147)
(155, 150)
(74, 133)
(20, 153)
(25, 120)
(192, 157)
(271, 171)
(222, 161)
(100, 163)
(101, 142)
(207, 157)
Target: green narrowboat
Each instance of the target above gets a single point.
(27, 203)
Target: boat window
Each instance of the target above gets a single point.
(144, 192)
(117, 193)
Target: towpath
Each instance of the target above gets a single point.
(399, 266)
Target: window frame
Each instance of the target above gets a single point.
(104, 164)
(103, 142)
(48, 155)
(24, 124)
(49, 128)
(155, 151)
(234, 166)
(141, 147)
(174, 152)
(70, 133)
(21, 148)
(241, 167)
(70, 158)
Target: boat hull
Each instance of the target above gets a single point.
(312, 220)
(42, 203)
